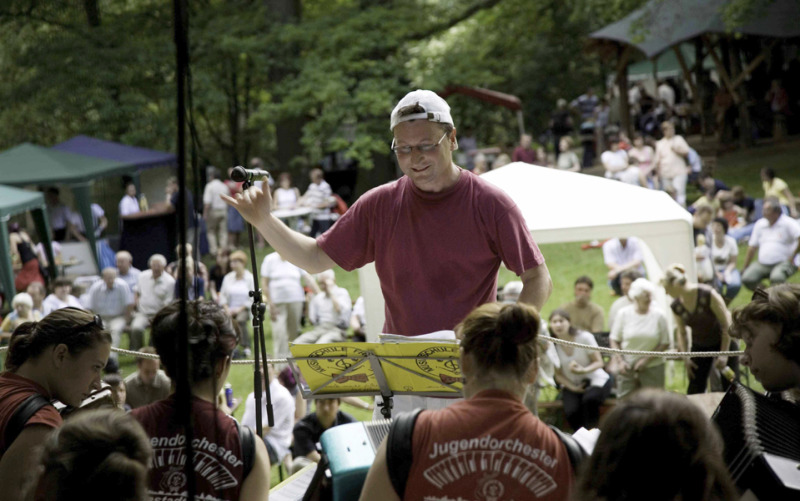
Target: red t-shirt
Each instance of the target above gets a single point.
(217, 451)
(436, 254)
(16, 389)
(487, 447)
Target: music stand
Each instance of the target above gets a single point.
(356, 369)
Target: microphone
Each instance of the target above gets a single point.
(240, 174)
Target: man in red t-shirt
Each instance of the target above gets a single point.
(437, 235)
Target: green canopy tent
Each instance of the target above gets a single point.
(28, 164)
(14, 201)
(666, 65)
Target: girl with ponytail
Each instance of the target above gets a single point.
(59, 358)
(490, 438)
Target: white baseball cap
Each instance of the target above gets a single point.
(436, 108)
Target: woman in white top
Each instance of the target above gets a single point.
(234, 294)
(129, 205)
(285, 195)
(584, 383)
(724, 253)
(283, 291)
(640, 326)
(567, 159)
(642, 155)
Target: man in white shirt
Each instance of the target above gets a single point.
(154, 290)
(329, 312)
(319, 196)
(112, 299)
(126, 271)
(215, 211)
(776, 236)
(666, 94)
(615, 162)
(619, 255)
(278, 439)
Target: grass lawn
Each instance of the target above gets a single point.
(567, 261)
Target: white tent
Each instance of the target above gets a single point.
(561, 206)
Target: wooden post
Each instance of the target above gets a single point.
(686, 73)
(726, 81)
(623, 54)
(745, 134)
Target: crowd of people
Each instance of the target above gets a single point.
(60, 345)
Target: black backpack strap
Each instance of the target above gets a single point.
(399, 449)
(248, 442)
(24, 412)
(574, 450)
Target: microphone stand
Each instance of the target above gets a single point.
(258, 308)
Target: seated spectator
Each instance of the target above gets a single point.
(688, 445)
(172, 268)
(626, 278)
(707, 198)
(639, 327)
(708, 184)
(744, 202)
(733, 214)
(358, 320)
(328, 311)
(498, 362)
(501, 160)
(282, 284)
(234, 295)
(125, 269)
(279, 437)
(615, 162)
(724, 255)
(584, 383)
(702, 256)
(154, 290)
(61, 296)
(112, 299)
(776, 237)
(195, 285)
(309, 429)
(26, 265)
(641, 155)
(621, 255)
(118, 391)
(585, 314)
(481, 164)
(22, 305)
(702, 309)
(149, 383)
(97, 454)
(777, 187)
(567, 159)
(37, 293)
(770, 327)
(213, 342)
(60, 358)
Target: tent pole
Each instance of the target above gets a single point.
(6, 268)
(623, 54)
(83, 196)
(42, 222)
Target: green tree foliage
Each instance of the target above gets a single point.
(269, 77)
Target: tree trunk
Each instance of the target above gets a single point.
(745, 126)
(92, 12)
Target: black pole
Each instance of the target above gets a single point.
(258, 308)
(183, 392)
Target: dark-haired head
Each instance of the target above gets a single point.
(212, 338)
(52, 353)
(500, 341)
(689, 450)
(97, 454)
(562, 314)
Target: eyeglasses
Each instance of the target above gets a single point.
(422, 148)
(96, 320)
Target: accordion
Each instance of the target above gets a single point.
(762, 443)
(350, 449)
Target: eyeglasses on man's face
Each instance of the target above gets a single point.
(422, 148)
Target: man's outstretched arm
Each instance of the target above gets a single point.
(254, 205)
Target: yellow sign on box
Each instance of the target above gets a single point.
(407, 367)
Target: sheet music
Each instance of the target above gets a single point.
(294, 487)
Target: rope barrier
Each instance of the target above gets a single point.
(610, 351)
